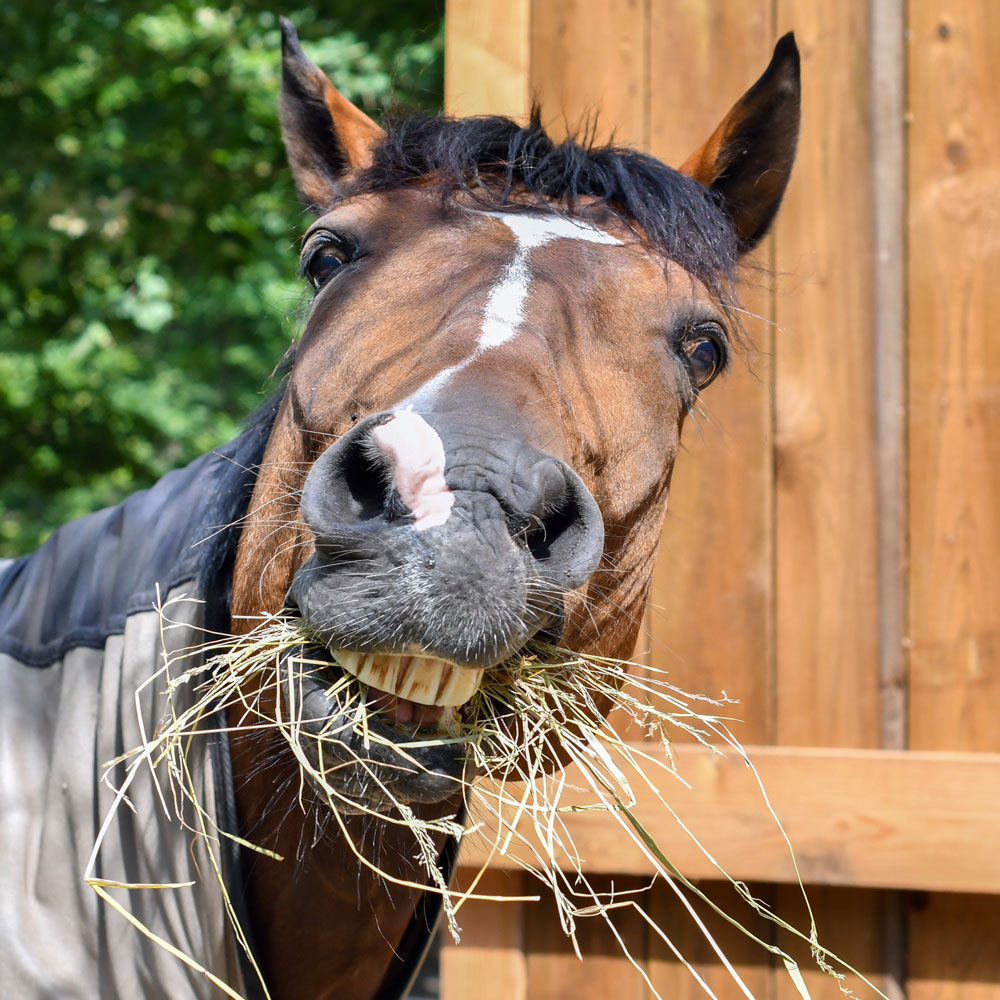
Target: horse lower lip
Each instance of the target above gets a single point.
(422, 681)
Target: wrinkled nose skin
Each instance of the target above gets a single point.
(442, 534)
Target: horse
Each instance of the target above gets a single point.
(470, 449)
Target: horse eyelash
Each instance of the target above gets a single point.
(322, 238)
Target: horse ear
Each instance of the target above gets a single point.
(748, 159)
(326, 137)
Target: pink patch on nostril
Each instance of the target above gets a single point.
(416, 454)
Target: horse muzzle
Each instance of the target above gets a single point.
(443, 545)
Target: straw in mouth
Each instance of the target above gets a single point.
(510, 724)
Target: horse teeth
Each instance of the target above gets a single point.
(349, 661)
(422, 679)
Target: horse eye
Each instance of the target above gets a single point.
(706, 358)
(323, 263)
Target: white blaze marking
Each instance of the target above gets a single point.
(416, 454)
(505, 302)
(412, 446)
(504, 310)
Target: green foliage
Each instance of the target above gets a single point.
(148, 227)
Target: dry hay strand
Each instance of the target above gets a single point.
(549, 704)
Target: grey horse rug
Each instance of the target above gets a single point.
(80, 640)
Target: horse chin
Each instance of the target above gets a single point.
(401, 754)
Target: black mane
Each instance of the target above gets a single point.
(232, 491)
(499, 164)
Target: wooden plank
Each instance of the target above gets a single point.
(555, 972)
(491, 952)
(486, 57)
(954, 398)
(888, 79)
(890, 819)
(826, 497)
(710, 602)
(590, 58)
(849, 923)
(669, 976)
(954, 384)
(702, 57)
(954, 949)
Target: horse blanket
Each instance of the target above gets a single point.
(79, 641)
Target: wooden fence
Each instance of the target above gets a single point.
(832, 552)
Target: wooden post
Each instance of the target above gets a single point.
(953, 215)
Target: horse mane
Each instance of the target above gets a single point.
(233, 489)
(498, 164)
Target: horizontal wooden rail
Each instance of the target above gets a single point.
(877, 818)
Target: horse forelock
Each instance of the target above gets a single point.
(497, 165)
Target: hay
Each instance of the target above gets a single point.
(548, 705)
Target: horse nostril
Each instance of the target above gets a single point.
(560, 524)
(555, 511)
(550, 527)
(348, 484)
(363, 481)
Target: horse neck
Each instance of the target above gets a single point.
(325, 924)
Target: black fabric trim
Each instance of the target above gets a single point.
(96, 636)
(92, 573)
(410, 954)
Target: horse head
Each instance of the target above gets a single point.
(475, 441)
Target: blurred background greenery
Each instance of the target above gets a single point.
(148, 227)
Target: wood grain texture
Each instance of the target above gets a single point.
(487, 57)
(555, 973)
(826, 495)
(711, 599)
(888, 83)
(669, 975)
(589, 60)
(491, 953)
(954, 949)
(887, 60)
(954, 398)
(891, 819)
(954, 385)
(848, 923)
